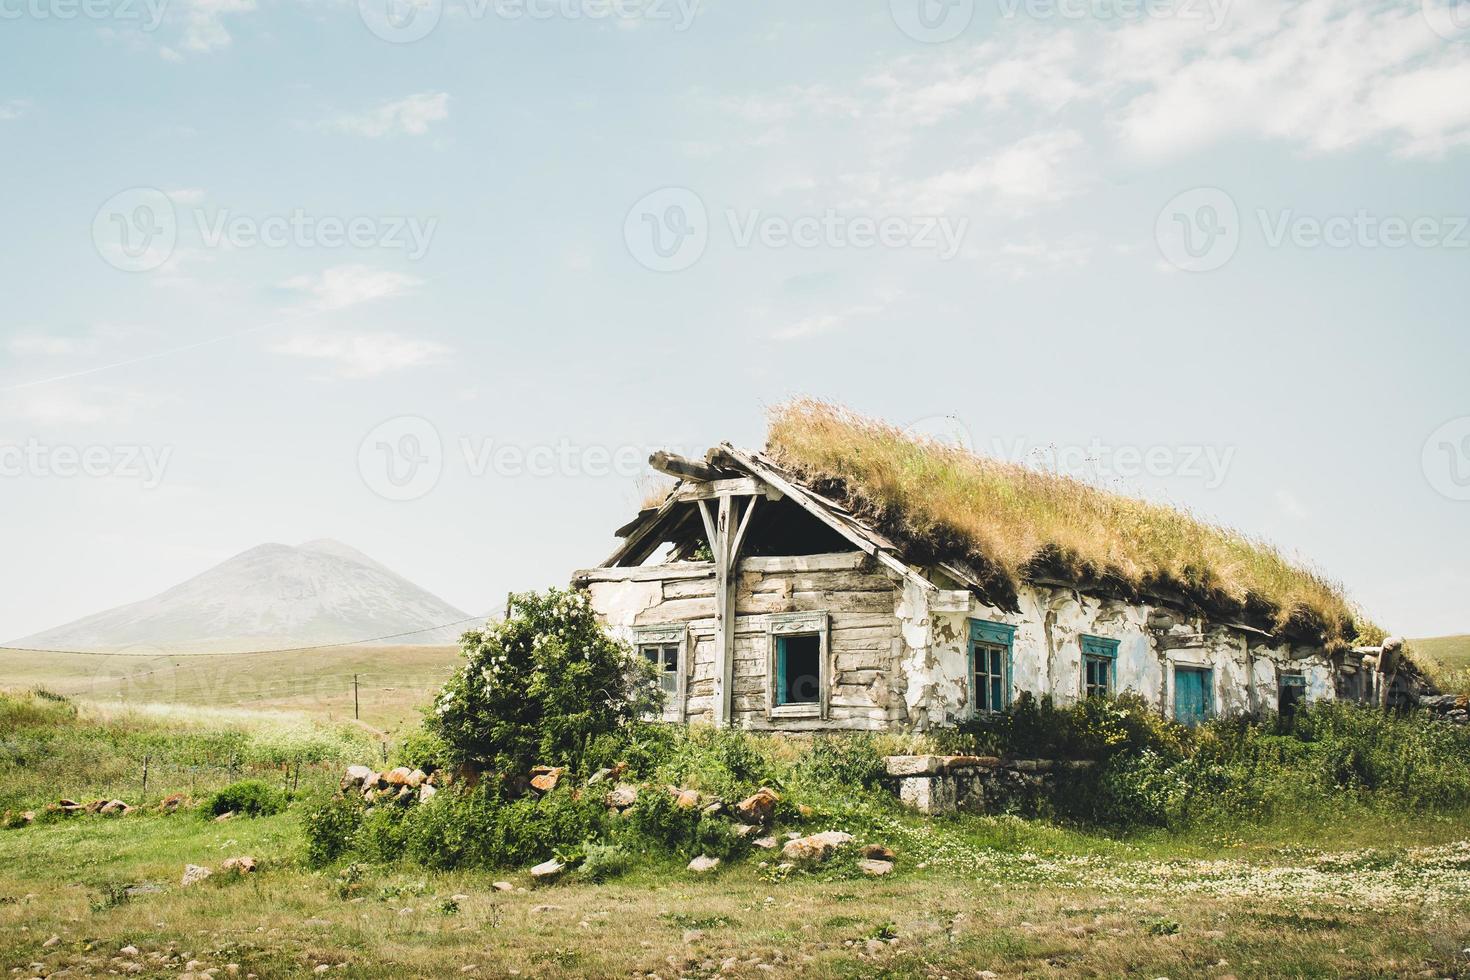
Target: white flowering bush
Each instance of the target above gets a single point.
(537, 687)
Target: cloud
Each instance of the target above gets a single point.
(62, 405)
(1328, 75)
(14, 109)
(204, 29)
(361, 355)
(411, 116)
(349, 285)
(831, 321)
(1038, 170)
(1019, 260)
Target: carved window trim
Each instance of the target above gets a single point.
(807, 623)
(666, 635)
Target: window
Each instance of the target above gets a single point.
(1194, 694)
(798, 678)
(663, 647)
(1099, 658)
(798, 669)
(665, 660)
(1290, 692)
(990, 665)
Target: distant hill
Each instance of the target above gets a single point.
(271, 597)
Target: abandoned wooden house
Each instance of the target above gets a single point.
(766, 604)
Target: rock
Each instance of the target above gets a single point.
(53, 941)
(547, 870)
(356, 777)
(693, 936)
(685, 799)
(426, 792)
(396, 777)
(545, 778)
(877, 852)
(27, 818)
(704, 863)
(913, 765)
(128, 951)
(322, 968)
(599, 776)
(96, 806)
(147, 888)
(193, 874)
(622, 796)
(765, 843)
(714, 808)
(870, 866)
(758, 807)
(417, 778)
(538, 909)
(239, 865)
(817, 847)
(225, 816)
(744, 830)
(502, 886)
(111, 807)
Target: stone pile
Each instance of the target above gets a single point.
(401, 785)
(1453, 708)
(975, 783)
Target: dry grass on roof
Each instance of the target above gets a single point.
(1011, 520)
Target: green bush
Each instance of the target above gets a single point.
(247, 798)
(538, 687)
(602, 862)
(330, 827)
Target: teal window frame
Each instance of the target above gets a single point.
(1100, 649)
(989, 636)
(780, 695)
(780, 626)
(1208, 675)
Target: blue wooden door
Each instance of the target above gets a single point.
(1193, 698)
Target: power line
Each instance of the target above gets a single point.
(248, 653)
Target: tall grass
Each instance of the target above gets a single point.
(1009, 519)
(52, 748)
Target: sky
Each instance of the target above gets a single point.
(432, 277)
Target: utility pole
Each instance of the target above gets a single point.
(355, 714)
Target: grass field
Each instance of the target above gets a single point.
(1447, 659)
(996, 894)
(394, 682)
(1352, 891)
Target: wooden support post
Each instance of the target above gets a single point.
(726, 533)
(355, 713)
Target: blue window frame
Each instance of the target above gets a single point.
(990, 665)
(1099, 666)
(1194, 694)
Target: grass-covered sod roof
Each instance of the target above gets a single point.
(1013, 523)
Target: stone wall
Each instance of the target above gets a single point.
(977, 784)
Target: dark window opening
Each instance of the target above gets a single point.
(799, 669)
(1291, 694)
(990, 677)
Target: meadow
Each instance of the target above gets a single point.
(1341, 884)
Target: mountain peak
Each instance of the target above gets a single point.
(271, 596)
